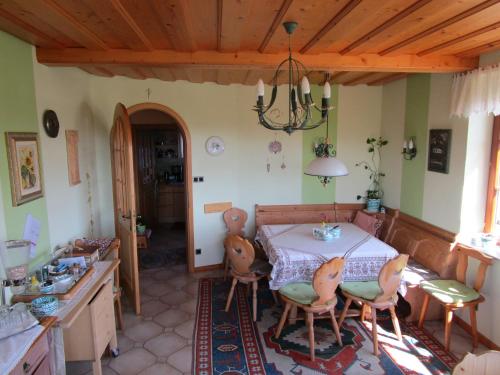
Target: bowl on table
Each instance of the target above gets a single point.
(44, 306)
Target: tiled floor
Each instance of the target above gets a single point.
(160, 341)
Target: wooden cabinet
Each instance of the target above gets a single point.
(37, 360)
(171, 203)
(93, 330)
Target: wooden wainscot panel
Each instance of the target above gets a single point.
(211, 208)
(294, 214)
(345, 212)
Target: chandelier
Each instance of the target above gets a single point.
(300, 102)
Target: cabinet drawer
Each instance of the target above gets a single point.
(103, 317)
(32, 359)
(44, 367)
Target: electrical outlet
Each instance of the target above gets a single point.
(196, 179)
(198, 251)
(201, 178)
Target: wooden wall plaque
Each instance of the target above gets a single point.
(211, 208)
(73, 162)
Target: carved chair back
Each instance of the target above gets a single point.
(326, 279)
(463, 261)
(240, 252)
(389, 278)
(235, 220)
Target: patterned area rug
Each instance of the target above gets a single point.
(232, 344)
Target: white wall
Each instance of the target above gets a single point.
(442, 200)
(359, 117)
(66, 91)
(393, 120)
(238, 175)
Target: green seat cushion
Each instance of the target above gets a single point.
(302, 293)
(364, 289)
(449, 291)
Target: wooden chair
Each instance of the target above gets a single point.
(235, 220)
(317, 297)
(485, 364)
(455, 294)
(381, 294)
(245, 267)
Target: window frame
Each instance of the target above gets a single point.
(492, 200)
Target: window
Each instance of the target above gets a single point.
(492, 219)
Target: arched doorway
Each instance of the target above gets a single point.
(186, 170)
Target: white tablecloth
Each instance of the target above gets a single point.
(295, 254)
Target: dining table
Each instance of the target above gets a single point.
(296, 254)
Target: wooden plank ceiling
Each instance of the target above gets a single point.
(237, 41)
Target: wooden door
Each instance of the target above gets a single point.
(122, 166)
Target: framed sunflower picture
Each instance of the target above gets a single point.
(24, 167)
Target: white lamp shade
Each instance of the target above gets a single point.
(260, 87)
(327, 167)
(327, 91)
(306, 89)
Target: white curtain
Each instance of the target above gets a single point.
(476, 92)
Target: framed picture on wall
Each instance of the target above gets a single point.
(24, 167)
(439, 150)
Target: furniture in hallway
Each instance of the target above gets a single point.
(485, 364)
(245, 267)
(318, 297)
(455, 294)
(381, 294)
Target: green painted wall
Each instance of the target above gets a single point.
(312, 190)
(416, 119)
(18, 114)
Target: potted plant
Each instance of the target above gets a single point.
(374, 193)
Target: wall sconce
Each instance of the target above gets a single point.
(409, 149)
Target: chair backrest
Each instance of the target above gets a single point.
(484, 364)
(463, 261)
(240, 252)
(389, 278)
(368, 223)
(326, 279)
(235, 219)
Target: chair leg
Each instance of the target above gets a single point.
(344, 312)
(425, 306)
(448, 317)
(231, 292)
(363, 312)
(254, 287)
(473, 325)
(310, 327)
(226, 266)
(395, 323)
(374, 331)
(282, 320)
(274, 293)
(336, 327)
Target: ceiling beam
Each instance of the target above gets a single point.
(219, 24)
(276, 22)
(118, 6)
(249, 60)
(398, 17)
(360, 79)
(459, 39)
(330, 25)
(441, 25)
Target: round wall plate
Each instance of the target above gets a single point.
(50, 123)
(215, 145)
